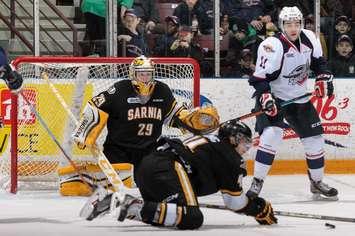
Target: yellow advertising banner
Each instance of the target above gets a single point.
(33, 139)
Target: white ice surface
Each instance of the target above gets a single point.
(46, 213)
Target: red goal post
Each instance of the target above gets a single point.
(31, 158)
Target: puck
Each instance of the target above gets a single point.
(330, 225)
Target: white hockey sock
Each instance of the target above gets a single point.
(314, 150)
(270, 139)
(261, 170)
(316, 174)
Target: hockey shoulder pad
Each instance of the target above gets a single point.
(200, 120)
(90, 126)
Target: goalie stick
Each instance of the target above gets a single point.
(103, 163)
(290, 214)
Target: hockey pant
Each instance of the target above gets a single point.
(169, 198)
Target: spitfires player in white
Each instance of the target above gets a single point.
(281, 73)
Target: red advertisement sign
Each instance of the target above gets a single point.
(25, 116)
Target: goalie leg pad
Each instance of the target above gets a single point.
(72, 185)
(90, 126)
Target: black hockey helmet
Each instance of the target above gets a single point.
(236, 130)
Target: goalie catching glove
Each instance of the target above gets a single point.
(324, 85)
(201, 120)
(12, 79)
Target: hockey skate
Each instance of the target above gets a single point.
(255, 188)
(99, 204)
(322, 191)
(130, 208)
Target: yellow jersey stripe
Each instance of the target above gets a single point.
(231, 192)
(162, 213)
(186, 185)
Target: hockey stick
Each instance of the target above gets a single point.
(257, 113)
(290, 214)
(45, 126)
(103, 163)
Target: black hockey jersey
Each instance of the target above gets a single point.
(212, 165)
(133, 124)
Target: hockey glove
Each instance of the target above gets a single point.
(261, 210)
(268, 104)
(201, 120)
(12, 79)
(324, 85)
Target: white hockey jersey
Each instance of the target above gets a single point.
(285, 67)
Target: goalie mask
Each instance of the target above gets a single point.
(141, 73)
(237, 134)
(290, 14)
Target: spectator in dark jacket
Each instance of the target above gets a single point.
(164, 41)
(342, 26)
(186, 46)
(148, 10)
(250, 11)
(343, 65)
(192, 12)
(242, 36)
(131, 42)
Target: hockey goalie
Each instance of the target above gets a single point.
(134, 111)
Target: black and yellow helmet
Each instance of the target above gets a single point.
(142, 64)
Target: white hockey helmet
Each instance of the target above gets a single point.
(290, 14)
(142, 64)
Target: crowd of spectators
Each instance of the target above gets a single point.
(143, 29)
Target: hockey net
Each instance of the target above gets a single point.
(30, 158)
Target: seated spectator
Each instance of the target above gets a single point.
(164, 41)
(196, 13)
(342, 25)
(242, 36)
(343, 65)
(267, 29)
(331, 8)
(131, 42)
(246, 65)
(95, 19)
(148, 11)
(224, 25)
(309, 24)
(251, 11)
(243, 69)
(186, 46)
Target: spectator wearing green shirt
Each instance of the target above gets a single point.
(95, 18)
